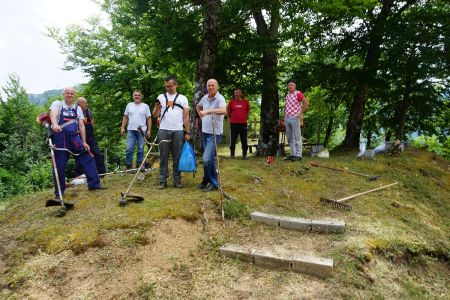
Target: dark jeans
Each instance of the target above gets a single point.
(209, 162)
(241, 129)
(177, 138)
(72, 142)
(98, 156)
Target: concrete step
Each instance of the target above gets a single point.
(296, 262)
(300, 224)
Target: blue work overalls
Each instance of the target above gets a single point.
(69, 139)
(90, 140)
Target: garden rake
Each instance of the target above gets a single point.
(339, 203)
(368, 177)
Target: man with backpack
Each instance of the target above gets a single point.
(173, 111)
(66, 121)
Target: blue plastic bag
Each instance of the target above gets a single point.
(187, 161)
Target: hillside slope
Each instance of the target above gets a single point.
(396, 244)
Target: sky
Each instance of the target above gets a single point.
(26, 50)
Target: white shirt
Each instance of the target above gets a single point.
(137, 115)
(58, 105)
(173, 118)
(218, 101)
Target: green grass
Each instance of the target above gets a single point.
(401, 224)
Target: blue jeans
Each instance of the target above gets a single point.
(294, 135)
(133, 137)
(209, 162)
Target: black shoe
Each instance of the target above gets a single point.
(210, 188)
(162, 185)
(244, 158)
(202, 186)
(288, 158)
(97, 188)
(296, 158)
(178, 185)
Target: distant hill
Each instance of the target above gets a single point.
(40, 99)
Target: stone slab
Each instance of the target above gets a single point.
(296, 262)
(299, 224)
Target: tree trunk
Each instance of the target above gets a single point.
(370, 67)
(206, 62)
(402, 113)
(329, 130)
(268, 137)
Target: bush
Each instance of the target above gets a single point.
(40, 176)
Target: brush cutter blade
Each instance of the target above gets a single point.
(61, 212)
(55, 202)
(132, 197)
(373, 178)
(335, 204)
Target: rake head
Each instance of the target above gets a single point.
(129, 198)
(335, 204)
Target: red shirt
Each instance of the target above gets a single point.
(293, 105)
(238, 111)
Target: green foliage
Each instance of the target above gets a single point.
(40, 177)
(433, 144)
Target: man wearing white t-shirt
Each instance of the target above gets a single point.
(137, 116)
(173, 110)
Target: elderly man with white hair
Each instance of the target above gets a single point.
(211, 109)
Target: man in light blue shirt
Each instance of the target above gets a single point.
(211, 108)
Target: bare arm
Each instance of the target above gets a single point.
(124, 123)
(305, 104)
(217, 111)
(83, 133)
(55, 126)
(187, 123)
(149, 126)
(156, 110)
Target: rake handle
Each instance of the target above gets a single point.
(366, 192)
(314, 164)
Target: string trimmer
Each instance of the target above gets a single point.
(57, 202)
(127, 196)
(368, 177)
(339, 203)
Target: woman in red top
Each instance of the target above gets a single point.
(238, 111)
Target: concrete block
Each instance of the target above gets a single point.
(369, 154)
(237, 252)
(300, 224)
(272, 260)
(327, 226)
(287, 261)
(312, 265)
(315, 149)
(264, 218)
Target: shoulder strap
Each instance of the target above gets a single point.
(174, 104)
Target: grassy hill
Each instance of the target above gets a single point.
(396, 244)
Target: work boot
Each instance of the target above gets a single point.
(177, 185)
(210, 188)
(202, 185)
(162, 185)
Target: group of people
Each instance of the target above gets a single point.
(72, 125)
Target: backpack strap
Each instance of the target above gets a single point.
(167, 106)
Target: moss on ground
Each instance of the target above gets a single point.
(401, 224)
